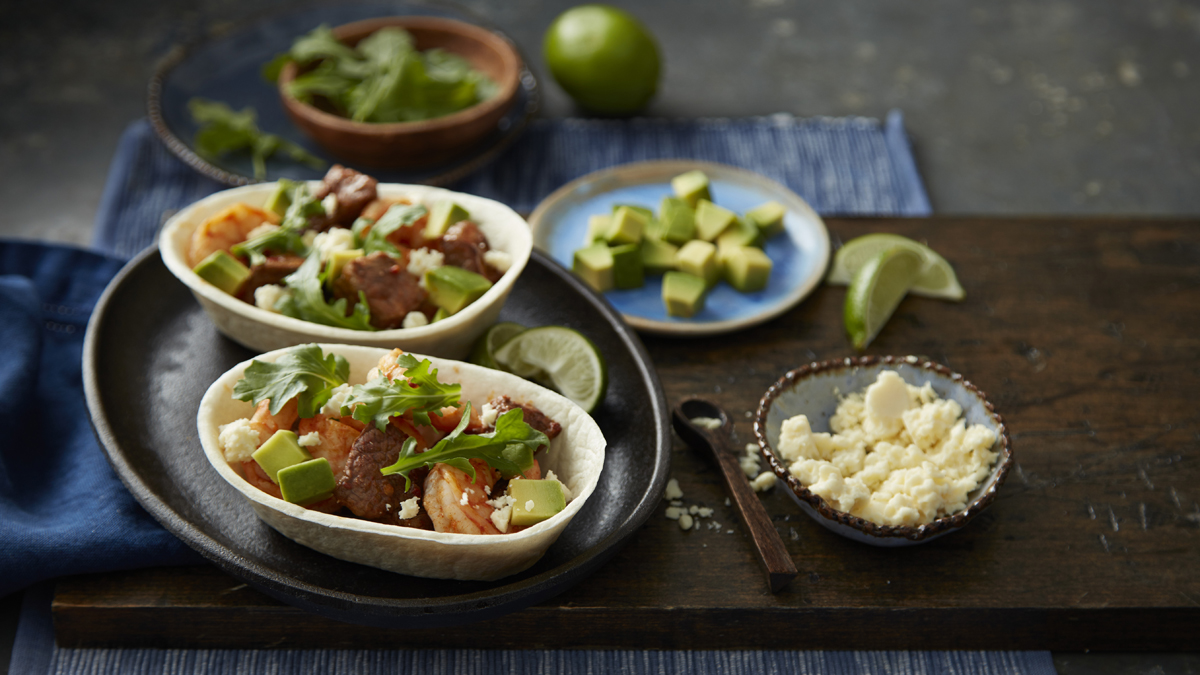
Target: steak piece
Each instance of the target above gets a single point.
(270, 271)
(390, 290)
(368, 493)
(464, 245)
(354, 191)
(533, 417)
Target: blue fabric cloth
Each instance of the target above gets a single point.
(842, 166)
(62, 509)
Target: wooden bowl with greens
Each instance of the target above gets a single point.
(399, 92)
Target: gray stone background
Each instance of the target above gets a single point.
(1069, 107)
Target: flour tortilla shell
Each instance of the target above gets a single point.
(576, 457)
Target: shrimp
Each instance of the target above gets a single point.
(387, 364)
(267, 424)
(229, 227)
(455, 503)
(337, 438)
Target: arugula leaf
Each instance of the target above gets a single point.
(301, 207)
(303, 372)
(418, 391)
(280, 240)
(307, 299)
(223, 130)
(508, 449)
(396, 217)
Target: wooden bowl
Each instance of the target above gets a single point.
(424, 143)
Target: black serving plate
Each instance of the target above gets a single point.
(226, 66)
(151, 353)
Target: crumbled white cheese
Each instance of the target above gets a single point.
(422, 260)
(673, 491)
(261, 230)
(764, 481)
(415, 320)
(335, 239)
(337, 399)
(704, 512)
(499, 260)
(409, 508)
(567, 495)
(463, 500)
(487, 415)
(749, 460)
(330, 203)
(309, 238)
(685, 522)
(238, 440)
(710, 423)
(673, 512)
(529, 505)
(898, 455)
(268, 296)
(309, 440)
(502, 511)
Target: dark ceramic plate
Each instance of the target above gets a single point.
(151, 353)
(226, 67)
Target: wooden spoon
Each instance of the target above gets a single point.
(772, 553)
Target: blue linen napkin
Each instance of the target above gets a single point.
(62, 508)
(852, 167)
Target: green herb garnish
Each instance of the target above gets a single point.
(304, 372)
(307, 299)
(385, 79)
(223, 130)
(396, 217)
(509, 449)
(281, 240)
(418, 391)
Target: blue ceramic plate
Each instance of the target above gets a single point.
(799, 255)
(226, 67)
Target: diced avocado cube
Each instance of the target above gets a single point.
(678, 221)
(699, 258)
(439, 315)
(658, 256)
(645, 213)
(307, 482)
(683, 294)
(691, 187)
(280, 451)
(626, 227)
(338, 260)
(223, 271)
(746, 268)
(711, 220)
(627, 266)
(594, 264)
(535, 500)
(452, 288)
(596, 229)
(441, 217)
(768, 218)
(280, 199)
(740, 233)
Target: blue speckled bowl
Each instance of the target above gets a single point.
(799, 255)
(814, 390)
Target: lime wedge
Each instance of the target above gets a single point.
(937, 279)
(485, 346)
(560, 357)
(876, 290)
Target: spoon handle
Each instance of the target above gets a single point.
(772, 552)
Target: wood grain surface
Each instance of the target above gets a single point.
(1085, 334)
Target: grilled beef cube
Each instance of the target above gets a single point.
(354, 191)
(390, 290)
(464, 246)
(368, 493)
(270, 271)
(533, 417)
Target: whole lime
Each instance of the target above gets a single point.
(604, 58)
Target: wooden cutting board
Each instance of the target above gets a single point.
(1085, 334)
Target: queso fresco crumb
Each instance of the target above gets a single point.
(899, 454)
